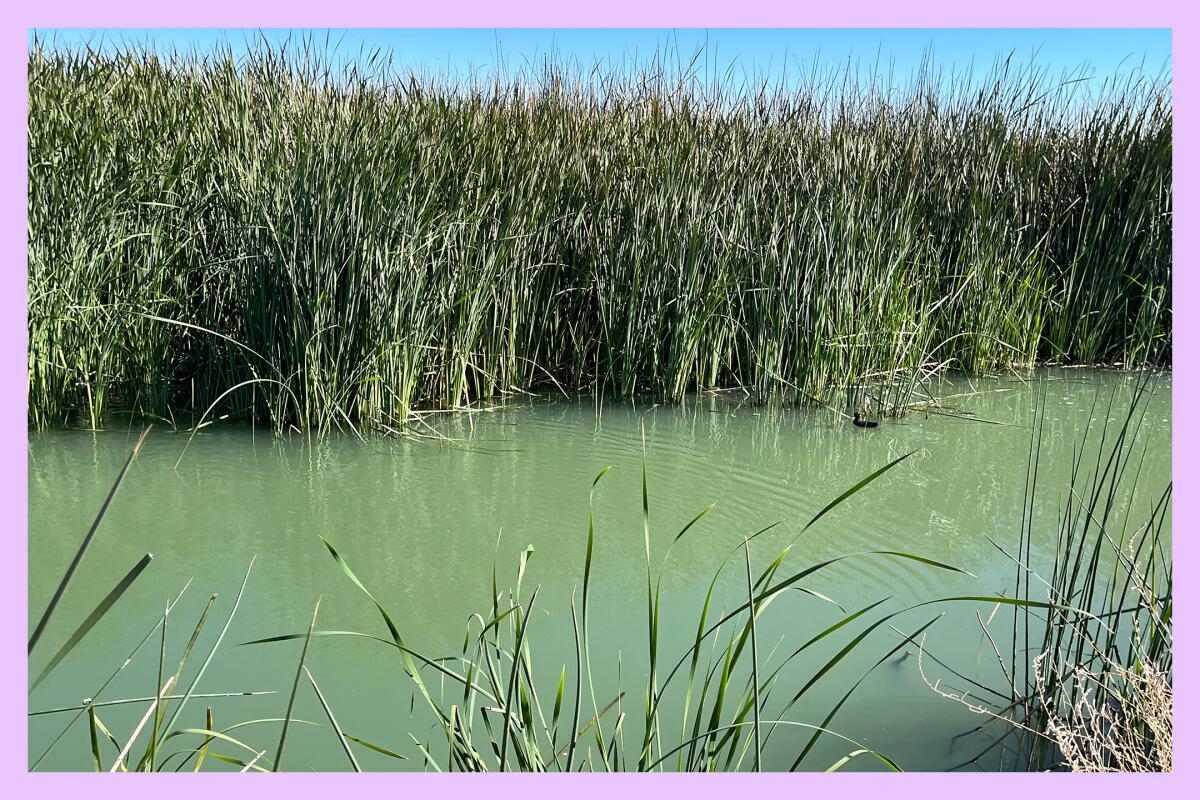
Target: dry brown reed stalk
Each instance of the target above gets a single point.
(1107, 734)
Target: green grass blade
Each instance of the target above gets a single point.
(98, 612)
(95, 742)
(375, 747)
(84, 545)
(213, 650)
(754, 661)
(854, 490)
(332, 721)
(287, 718)
(203, 752)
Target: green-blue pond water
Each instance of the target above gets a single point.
(423, 522)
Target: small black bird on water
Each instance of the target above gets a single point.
(862, 423)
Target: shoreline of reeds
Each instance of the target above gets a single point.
(265, 238)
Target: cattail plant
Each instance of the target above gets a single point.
(268, 236)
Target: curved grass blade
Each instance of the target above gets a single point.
(841, 762)
(215, 403)
(196, 750)
(103, 729)
(211, 734)
(889, 763)
(202, 329)
(819, 596)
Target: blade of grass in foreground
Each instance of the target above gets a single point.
(96, 694)
(776, 588)
(829, 717)
(120, 762)
(211, 734)
(95, 741)
(84, 545)
(212, 652)
(151, 747)
(98, 726)
(375, 747)
(853, 489)
(889, 763)
(287, 718)
(753, 661)
(581, 632)
(523, 623)
(211, 725)
(164, 705)
(406, 654)
(97, 613)
(329, 713)
(188, 755)
(391, 626)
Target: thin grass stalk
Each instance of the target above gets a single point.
(287, 717)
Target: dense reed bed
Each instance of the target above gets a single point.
(272, 237)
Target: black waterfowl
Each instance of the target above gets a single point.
(862, 423)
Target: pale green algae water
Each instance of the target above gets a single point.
(423, 522)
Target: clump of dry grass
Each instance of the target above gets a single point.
(1096, 695)
(1123, 728)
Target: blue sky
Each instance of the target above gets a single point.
(756, 52)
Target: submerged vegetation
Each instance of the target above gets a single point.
(270, 237)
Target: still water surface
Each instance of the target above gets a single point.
(424, 522)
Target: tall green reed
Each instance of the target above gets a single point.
(274, 238)
(1087, 651)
